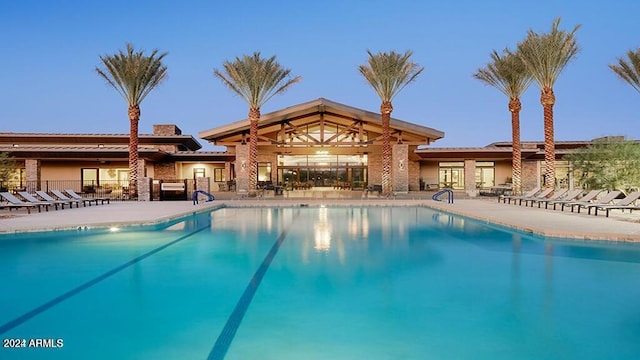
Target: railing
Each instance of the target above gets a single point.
(449, 193)
(209, 196)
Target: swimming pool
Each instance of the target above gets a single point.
(317, 283)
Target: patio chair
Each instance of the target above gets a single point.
(76, 196)
(530, 193)
(541, 195)
(61, 196)
(611, 195)
(586, 198)
(569, 195)
(45, 196)
(32, 199)
(14, 202)
(556, 195)
(620, 204)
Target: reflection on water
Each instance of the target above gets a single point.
(322, 231)
(447, 220)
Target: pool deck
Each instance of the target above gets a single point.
(618, 227)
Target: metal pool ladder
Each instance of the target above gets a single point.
(449, 193)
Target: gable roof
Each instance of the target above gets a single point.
(320, 110)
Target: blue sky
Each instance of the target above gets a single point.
(51, 48)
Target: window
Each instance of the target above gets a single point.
(451, 175)
(218, 175)
(264, 171)
(485, 174)
(198, 173)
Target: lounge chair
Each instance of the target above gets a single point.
(569, 195)
(611, 195)
(556, 195)
(32, 199)
(14, 202)
(46, 197)
(530, 193)
(543, 194)
(586, 198)
(61, 196)
(76, 196)
(620, 204)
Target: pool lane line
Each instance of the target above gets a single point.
(46, 306)
(219, 350)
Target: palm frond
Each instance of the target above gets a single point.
(629, 71)
(546, 55)
(255, 79)
(388, 73)
(506, 73)
(132, 73)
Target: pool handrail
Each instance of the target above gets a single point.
(449, 193)
(209, 196)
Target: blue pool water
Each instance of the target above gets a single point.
(318, 283)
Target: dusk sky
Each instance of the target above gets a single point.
(50, 50)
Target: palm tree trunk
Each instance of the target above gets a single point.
(254, 117)
(516, 163)
(385, 110)
(134, 118)
(548, 99)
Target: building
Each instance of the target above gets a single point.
(320, 143)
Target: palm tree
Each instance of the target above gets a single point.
(256, 80)
(545, 56)
(508, 74)
(388, 73)
(133, 75)
(629, 71)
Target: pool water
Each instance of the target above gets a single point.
(318, 283)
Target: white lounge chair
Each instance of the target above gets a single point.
(14, 203)
(46, 197)
(32, 199)
(62, 196)
(620, 204)
(76, 196)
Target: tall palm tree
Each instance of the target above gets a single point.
(545, 56)
(388, 73)
(508, 74)
(629, 71)
(133, 74)
(256, 80)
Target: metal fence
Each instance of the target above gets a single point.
(114, 190)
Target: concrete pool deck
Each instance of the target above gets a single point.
(618, 227)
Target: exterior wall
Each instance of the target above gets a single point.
(165, 171)
(503, 171)
(375, 169)
(400, 168)
(414, 176)
(530, 175)
(32, 169)
(242, 168)
(470, 177)
(166, 130)
(429, 172)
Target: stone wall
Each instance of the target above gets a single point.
(164, 171)
(470, 177)
(530, 175)
(166, 130)
(32, 170)
(242, 168)
(400, 168)
(375, 169)
(414, 176)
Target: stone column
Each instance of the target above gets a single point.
(374, 172)
(400, 168)
(242, 168)
(204, 184)
(530, 175)
(144, 189)
(32, 169)
(470, 177)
